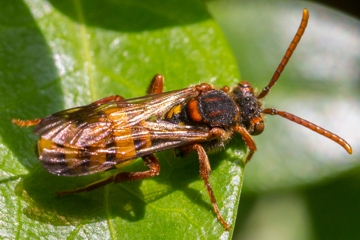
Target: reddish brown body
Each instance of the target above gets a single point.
(114, 131)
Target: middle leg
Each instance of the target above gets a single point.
(205, 170)
(156, 85)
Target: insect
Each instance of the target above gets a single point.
(113, 131)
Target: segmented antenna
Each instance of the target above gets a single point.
(311, 126)
(275, 77)
(288, 53)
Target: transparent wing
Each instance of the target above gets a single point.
(121, 148)
(88, 125)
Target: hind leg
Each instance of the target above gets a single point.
(150, 161)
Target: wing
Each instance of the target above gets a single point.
(89, 125)
(105, 135)
(119, 149)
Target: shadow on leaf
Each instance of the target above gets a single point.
(130, 15)
(126, 200)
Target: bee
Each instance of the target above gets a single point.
(114, 131)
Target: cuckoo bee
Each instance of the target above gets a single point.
(114, 131)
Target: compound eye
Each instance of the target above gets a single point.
(258, 126)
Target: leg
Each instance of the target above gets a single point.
(205, 170)
(26, 123)
(29, 123)
(156, 85)
(108, 99)
(214, 133)
(248, 141)
(150, 161)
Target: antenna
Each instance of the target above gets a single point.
(288, 53)
(311, 126)
(275, 77)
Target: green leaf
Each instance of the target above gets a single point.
(318, 84)
(60, 54)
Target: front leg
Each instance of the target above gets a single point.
(249, 142)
